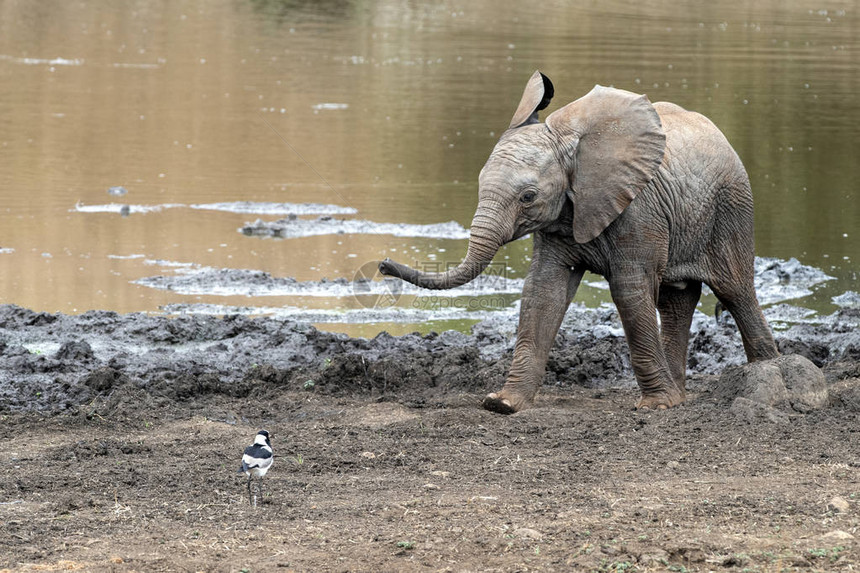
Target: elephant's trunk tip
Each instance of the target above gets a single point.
(389, 268)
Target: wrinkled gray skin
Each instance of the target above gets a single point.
(572, 182)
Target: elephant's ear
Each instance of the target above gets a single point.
(615, 141)
(536, 96)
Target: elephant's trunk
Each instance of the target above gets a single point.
(484, 242)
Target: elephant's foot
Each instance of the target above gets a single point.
(662, 399)
(505, 402)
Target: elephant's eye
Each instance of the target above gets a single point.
(528, 197)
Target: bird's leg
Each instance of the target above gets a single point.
(250, 498)
(255, 486)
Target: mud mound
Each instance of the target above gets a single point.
(56, 362)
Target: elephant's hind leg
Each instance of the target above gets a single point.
(741, 301)
(634, 293)
(676, 306)
(732, 271)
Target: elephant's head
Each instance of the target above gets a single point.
(598, 153)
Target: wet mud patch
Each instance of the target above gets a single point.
(778, 280)
(848, 299)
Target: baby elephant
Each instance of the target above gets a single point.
(650, 196)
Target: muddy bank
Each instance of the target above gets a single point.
(293, 227)
(365, 299)
(776, 280)
(199, 280)
(57, 362)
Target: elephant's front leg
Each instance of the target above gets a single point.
(548, 290)
(635, 295)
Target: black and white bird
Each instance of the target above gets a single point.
(257, 460)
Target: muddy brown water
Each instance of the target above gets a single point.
(389, 108)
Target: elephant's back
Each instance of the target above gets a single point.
(700, 186)
(668, 108)
(693, 140)
(694, 137)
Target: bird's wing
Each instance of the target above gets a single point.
(258, 451)
(257, 456)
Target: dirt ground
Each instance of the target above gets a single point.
(133, 468)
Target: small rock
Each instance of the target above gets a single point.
(431, 486)
(527, 533)
(440, 473)
(673, 465)
(117, 191)
(788, 382)
(836, 535)
(839, 505)
(757, 381)
(368, 455)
